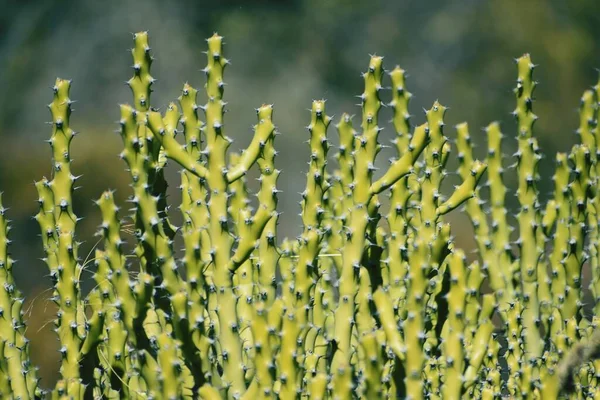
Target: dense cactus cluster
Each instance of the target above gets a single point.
(368, 302)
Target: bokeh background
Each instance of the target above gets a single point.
(282, 52)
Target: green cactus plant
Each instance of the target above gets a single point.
(368, 303)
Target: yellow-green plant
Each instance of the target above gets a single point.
(367, 304)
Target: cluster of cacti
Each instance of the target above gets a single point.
(364, 304)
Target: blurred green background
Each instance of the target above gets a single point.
(282, 52)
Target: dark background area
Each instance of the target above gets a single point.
(282, 52)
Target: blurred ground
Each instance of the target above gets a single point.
(282, 52)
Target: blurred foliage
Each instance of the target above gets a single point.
(282, 52)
